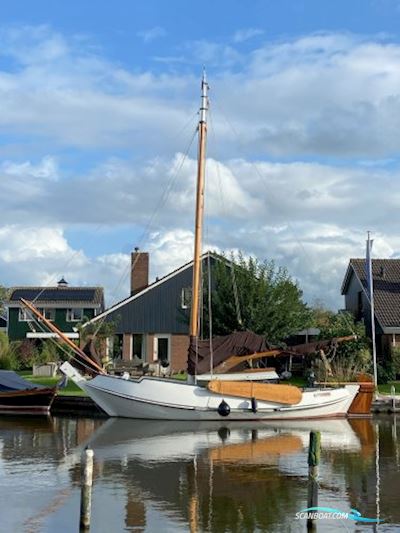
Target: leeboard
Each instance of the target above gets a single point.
(286, 394)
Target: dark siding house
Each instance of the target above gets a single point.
(386, 281)
(65, 306)
(153, 322)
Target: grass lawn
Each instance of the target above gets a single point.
(70, 390)
(385, 389)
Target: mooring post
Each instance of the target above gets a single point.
(314, 453)
(86, 490)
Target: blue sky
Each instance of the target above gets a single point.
(98, 106)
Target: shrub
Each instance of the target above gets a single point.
(48, 352)
(4, 344)
(27, 353)
(9, 358)
(396, 360)
(385, 373)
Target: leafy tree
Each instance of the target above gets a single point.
(248, 294)
(3, 298)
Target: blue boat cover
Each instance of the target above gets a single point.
(10, 381)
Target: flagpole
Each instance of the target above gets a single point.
(370, 282)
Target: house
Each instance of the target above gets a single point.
(153, 322)
(64, 305)
(3, 324)
(386, 282)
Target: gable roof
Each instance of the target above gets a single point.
(386, 280)
(153, 285)
(92, 296)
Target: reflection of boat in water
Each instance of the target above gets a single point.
(244, 441)
(208, 472)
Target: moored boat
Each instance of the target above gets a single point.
(20, 397)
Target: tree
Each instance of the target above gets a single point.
(3, 298)
(252, 295)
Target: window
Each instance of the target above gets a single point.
(186, 297)
(24, 315)
(162, 348)
(48, 313)
(74, 315)
(138, 345)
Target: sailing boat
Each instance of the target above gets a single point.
(167, 399)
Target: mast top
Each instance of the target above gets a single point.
(204, 98)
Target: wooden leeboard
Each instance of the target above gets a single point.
(287, 394)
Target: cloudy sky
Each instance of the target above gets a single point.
(98, 110)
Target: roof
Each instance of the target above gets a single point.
(156, 283)
(57, 295)
(386, 280)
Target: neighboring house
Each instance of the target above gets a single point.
(386, 281)
(153, 323)
(3, 324)
(65, 306)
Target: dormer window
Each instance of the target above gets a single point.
(74, 315)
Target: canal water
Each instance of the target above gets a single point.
(177, 477)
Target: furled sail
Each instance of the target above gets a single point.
(239, 343)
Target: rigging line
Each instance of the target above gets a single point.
(146, 231)
(96, 229)
(58, 345)
(224, 209)
(266, 187)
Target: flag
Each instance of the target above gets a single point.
(368, 268)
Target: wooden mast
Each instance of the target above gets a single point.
(202, 129)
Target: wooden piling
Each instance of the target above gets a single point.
(86, 490)
(314, 453)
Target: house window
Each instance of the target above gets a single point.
(74, 315)
(162, 348)
(48, 313)
(24, 315)
(138, 345)
(186, 297)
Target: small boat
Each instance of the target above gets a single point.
(21, 397)
(214, 398)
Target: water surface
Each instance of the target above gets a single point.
(172, 477)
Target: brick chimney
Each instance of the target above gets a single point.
(139, 271)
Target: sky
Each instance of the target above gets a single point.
(98, 114)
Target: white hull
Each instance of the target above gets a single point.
(164, 399)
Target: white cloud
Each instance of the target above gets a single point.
(246, 34)
(47, 169)
(152, 34)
